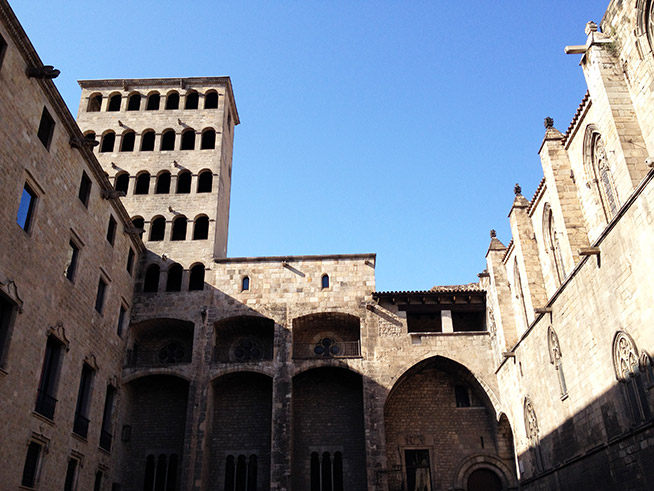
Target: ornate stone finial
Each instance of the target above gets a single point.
(517, 189)
(493, 234)
(549, 123)
(46, 71)
(590, 27)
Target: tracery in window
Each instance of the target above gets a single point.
(241, 473)
(552, 245)
(599, 172)
(519, 293)
(327, 471)
(532, 431)
(628, 371)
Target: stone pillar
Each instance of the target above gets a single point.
(374, 396)
(498, 300)
(446, 321)
(526, 252)
(564, 199)
(281, 444)
(617, 119)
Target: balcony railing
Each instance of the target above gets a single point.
(81, 425)
(156, 358)
(105, 440)
(241, 354)
(45, 404)
(327, 349)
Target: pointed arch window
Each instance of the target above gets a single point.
(628, 370)
(552, 244)
(599, 172)
(532, 431)
(519, 293)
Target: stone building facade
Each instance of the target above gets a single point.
(157, 362)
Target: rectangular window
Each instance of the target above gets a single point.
(32, 461)
(7, 312)
(105, 433)
(71, 474)
(99, 298)
(130, 261)
(45, 401)
(111, 230)
(97, 485)
(3, 49)
(418, 475)
(85, 189)
(81, 423)
(26, 208)
(71, 265)
(122, 315)
(461, 396)
(46, 128)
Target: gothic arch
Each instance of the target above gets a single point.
(598, 171)
(552, 244)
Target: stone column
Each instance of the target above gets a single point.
(281, 445)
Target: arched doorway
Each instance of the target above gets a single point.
(484, 480)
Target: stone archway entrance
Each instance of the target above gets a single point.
(484, 480)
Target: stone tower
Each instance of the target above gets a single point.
(167, 144)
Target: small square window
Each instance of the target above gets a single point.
(46, 128)
(130, 261)
(111, 230)
(461, 396)
(32, 461)
(99, 298)
(71, 265)
(26, 208)
(122, 316)
(3, 49)
(85, 189)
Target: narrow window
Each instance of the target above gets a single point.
(174, 280)
(151, 282)
(556, 358)
(45, 401)
(122, 314)
(245, 283)
(105, 432)
(160, 475)
(114, 103)
(3, 49)
(157, 229)
(208, 139)
(71, 472)
(134, 102)
(130, 261)
(99, 297)
(461, 396)
(179, 228)
(192, 99)
(142, 183)
(31, 467)
(7, 312)
(324, 281)
(84, 189)
(168, 140)
(121, 183)
(95, 103)
(153, 102)
(211, 100)
(147, 141)
(81, 422)
(315, 472)
(205, 181)
(97, 484)
(127, 142)
(148, 483)
(201, 228)
(229, 473)
(139, 224)
(241, 473)
(108, 142)
(171, 481)
(188, 139)
(184, 182)
(71, 263)
(46, 128)
(111, 230)
(196, 280)
(172, 100)
(26, 208)
(163, 183)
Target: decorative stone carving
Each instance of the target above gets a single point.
(531, 422)
(625, 356)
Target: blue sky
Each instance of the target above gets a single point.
(391, 127)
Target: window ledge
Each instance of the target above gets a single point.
(43, 418)
(104, 450)
(79, 437)
(3, 372)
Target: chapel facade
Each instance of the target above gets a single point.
(135, 354)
